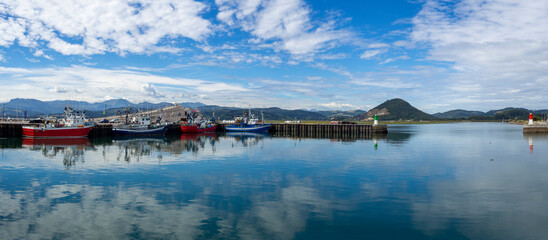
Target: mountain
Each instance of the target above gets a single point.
(272, 113)
(193, 104)
(342, 115)
(458, 113)
(396, 109)
(509, 113)
(36, 108)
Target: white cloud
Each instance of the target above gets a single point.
(495, 46)
(149, 90)
(372, 53)
(389, 60)
(96, 27)
(386, 82)
(58, 89)
(337, 106)
(284, 24)
(314, 78)
(93, 84)
(378, 45)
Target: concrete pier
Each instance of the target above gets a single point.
(101, 130)
(319, 129)
(535, 128)
(303, 130)
(12, 129)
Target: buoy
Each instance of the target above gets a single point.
(530, 118)
(375, 121)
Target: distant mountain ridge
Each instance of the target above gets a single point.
(394, 109)
(509, 113)
(458, 113)
(35, 107)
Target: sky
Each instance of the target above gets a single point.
(294, 54)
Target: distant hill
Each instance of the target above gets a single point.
(396, 109)
(458, 113)
(272, 113)
(342, 115)
(193, 104)
(37, 108)
(509, 113)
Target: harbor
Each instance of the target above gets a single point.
(14, 129)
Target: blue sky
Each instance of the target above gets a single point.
(438, 55)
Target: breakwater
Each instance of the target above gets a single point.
(318, 130)
(535, 128)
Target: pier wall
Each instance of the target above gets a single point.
(101, 130)
(535, 128)
(11, 129)
(302, 130)
(328, 129)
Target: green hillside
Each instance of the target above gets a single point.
(458, 113)
(397, 109)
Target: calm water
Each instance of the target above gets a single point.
(449, 181)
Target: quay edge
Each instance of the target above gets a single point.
(535, 128)
(11, 129)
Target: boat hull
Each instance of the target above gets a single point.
(248, 128)
(196, 129)
(139, 132)
(62, 132)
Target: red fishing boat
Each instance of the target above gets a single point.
(73, 125)
(195, 123)
(194, 128)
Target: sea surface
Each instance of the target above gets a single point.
(436, 181)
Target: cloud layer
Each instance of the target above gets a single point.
(498, 48)
(74, 27)
(284, 24)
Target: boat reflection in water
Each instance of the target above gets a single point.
(71, 148)
(248, 139)
(193, 142)
(134, 149)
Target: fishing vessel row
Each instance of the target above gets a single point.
(74, 124)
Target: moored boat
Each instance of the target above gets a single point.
(140, 126)
(73, 125)
(195, 123)
(248, 127)
(250, 124)
(195, 128)
(120, 131)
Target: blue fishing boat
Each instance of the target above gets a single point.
(248, 127)
(139, 126)
(250, 124)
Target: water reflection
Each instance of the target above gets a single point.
(400, 134)
(247, 139)
(535, 138)
(71, 149)
(194, 142)
(10, 142)
(134, 149)
(422, 182)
